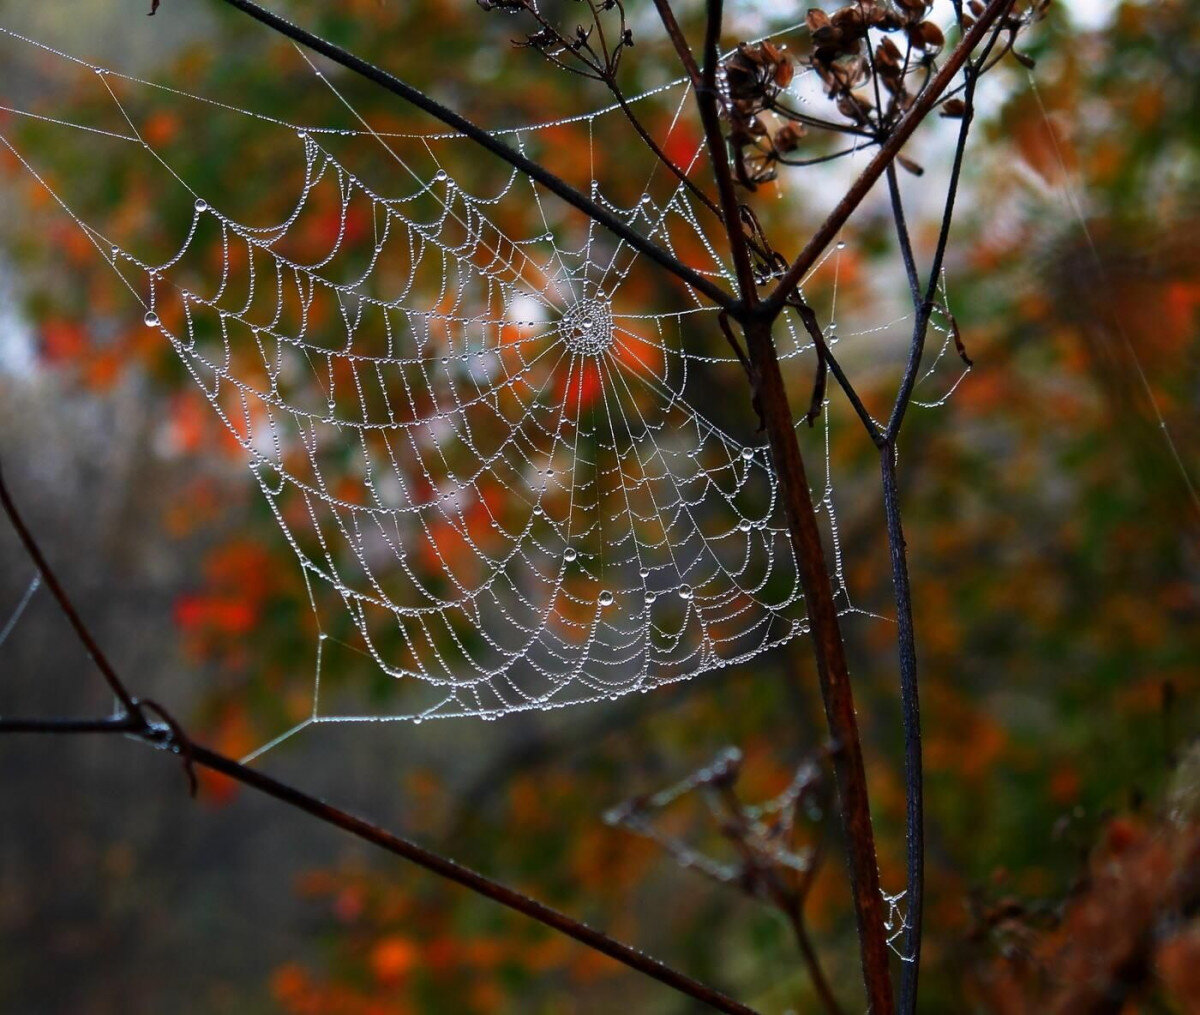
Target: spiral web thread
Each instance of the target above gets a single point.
(489, 454)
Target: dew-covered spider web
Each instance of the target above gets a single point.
(485, 425)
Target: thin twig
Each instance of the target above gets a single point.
(127, 700)
(56, 725)
(812, 962)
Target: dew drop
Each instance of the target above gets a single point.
(538, 511)
(151, 319)
(747, 454)
(605, 598)
(841, 245)
(650, 597)
(116, 252)
(441, 176)
(645, 572)
(744, 525)
(201, 204)
(569, 554)
(685, 592)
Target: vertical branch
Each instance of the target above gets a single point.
(710, 116)
(832, 670)
(771, 397)
(910, 709)
(906, 646)
(675, 33)
(910, 704)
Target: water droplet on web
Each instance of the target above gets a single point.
(650, 597)
(569, 554)
(605, 598)
(744, 525)
(747, 454)
(538, 511)
(685, 592)
(201, 204)
(116, 252)
(151, 319)
(441, 176)
(644, 572)
(841, 245)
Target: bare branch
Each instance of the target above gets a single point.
(169, 735)
(489, 142)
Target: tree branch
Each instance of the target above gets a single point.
(481, 137)
(170, 736)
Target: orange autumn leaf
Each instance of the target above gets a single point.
(392, 958)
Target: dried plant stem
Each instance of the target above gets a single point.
(887, 153)
(813, 963)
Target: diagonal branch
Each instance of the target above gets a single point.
(678, 40)
(95, 652)
(169, 736)
(489, 142)
(925, 101)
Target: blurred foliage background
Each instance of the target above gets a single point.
(1053, 552)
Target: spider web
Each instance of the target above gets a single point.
(486, 438)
